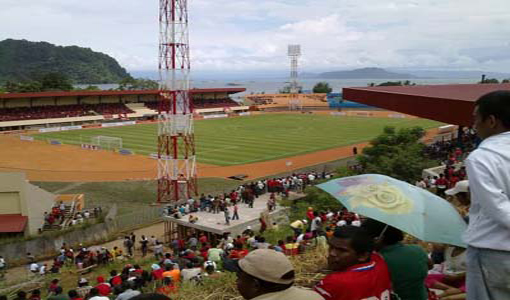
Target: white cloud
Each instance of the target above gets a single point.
(228, 35)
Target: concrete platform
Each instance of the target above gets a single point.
(215, 223)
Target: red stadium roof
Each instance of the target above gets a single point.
(453, 103)
(12, 223)
(111, 93)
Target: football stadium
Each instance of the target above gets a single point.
(160, 190)
(121, 129)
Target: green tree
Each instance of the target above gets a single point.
(137, 84)
(322, 87)
(55, 82)
(490, 80)
(286, 90)
(22, 87)
(395, 83)
(398, 154)
(506, 80)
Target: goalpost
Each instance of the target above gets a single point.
(107, 142)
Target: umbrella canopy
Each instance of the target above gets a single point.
(401, 205)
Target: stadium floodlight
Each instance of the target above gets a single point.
(294, 52)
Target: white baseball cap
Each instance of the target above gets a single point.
(460, 187)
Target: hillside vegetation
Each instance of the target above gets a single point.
(22, 60)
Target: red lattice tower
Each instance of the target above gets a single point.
(177, 176)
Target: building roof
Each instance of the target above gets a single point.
(12, 223)
(452, 103)
(110, 93)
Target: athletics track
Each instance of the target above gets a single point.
(66, 163)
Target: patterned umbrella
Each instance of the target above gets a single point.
(401, 205)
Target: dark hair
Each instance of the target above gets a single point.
(93, 292)
(21, 294)
(167, 280)
(72, 294)
(391, 235)
(496, 104)
(361, 241)
(58, 290)
(36, 292)
(151, 296)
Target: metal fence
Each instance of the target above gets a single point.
(139, 217)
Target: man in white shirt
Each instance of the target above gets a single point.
(3, 266)
(42, 269)
(34, 267)
(488, 169)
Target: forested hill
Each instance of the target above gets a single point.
(22, 60)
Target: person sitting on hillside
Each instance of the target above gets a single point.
(358, 272)
(168, 288)
(35, 295)
(408, 264)
(83, 288)
(95, 295)
(267, 274)
(173, 272)
(190, 272)
(103, 287)
(58, 294)
(129, 291)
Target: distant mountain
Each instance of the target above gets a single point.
(457, 74)
(365, 73)
(22, 60)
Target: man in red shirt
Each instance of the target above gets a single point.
(442, 185)
(103, 287)
(358, 273)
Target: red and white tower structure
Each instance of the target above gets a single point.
(177, 176)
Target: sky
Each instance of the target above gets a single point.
(252, 35)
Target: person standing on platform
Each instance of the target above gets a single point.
(227, 215)
(235, 216)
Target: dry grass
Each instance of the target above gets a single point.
(307, 268)
(306, 265)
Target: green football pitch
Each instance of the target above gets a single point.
(249, 139)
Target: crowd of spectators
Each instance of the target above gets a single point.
(228, 203)
(200, 103)
(367, 259)
(61, 111)
(62, 215)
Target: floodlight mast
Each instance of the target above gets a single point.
(177, 175)
(294, 52)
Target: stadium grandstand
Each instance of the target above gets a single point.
(19, 111)
(275, 102)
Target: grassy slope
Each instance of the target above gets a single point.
(257, 138)
(130, 195)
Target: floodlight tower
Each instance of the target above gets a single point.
(177, 176)
(294, 52)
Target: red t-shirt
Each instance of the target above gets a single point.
(104, 289)
(441, 183)
(158, 274)
(363, 281)
(116, 280)
(237, 254)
